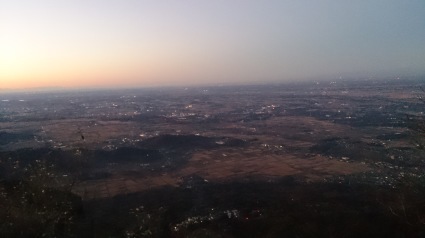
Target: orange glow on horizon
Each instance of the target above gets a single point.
(98, 76)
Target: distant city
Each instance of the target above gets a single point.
(230, 157)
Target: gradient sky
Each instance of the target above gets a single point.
(92, 43)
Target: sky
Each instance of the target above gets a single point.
(129, 43)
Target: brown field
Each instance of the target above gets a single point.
(221, 166)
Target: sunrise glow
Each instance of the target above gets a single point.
(134, 43)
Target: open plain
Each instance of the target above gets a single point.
(217, 148)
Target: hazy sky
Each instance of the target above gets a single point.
(80, 43)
